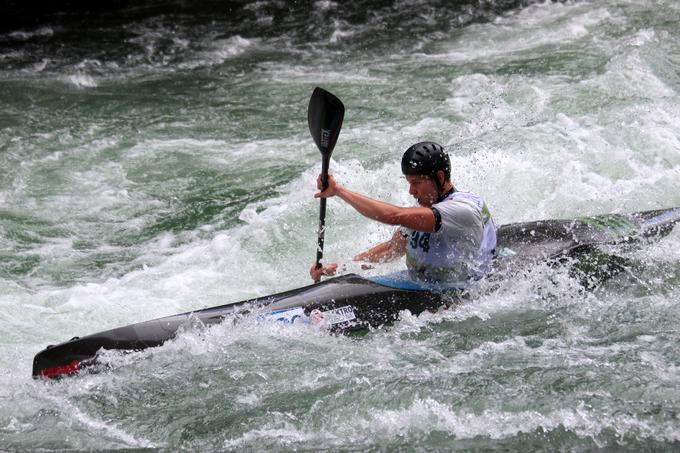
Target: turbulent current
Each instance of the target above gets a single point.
(156, 159)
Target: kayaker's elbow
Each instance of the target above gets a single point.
(392, 218)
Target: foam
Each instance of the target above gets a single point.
(220, 51)
(429, 415)
(103, 428)
(42, 32)
(82, 81)
(587, 161)
(341, 32)
(281, 436)
(530, 30)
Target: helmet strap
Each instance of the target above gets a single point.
(439, 185)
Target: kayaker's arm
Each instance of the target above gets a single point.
(389, 250)
(386, 251)
(420, 219)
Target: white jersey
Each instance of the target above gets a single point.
(461, 247)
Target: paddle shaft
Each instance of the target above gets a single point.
(322, 211)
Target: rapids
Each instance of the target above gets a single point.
(156, 159)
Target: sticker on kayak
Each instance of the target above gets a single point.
(286, 315)
(335, 316)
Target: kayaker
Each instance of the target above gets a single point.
(450, 237)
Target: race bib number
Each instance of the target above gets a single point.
(420, 240)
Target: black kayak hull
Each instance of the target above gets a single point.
(352, 303)
(349, 302)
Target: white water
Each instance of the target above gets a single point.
(554, 111)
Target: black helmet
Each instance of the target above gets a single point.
(426, 159)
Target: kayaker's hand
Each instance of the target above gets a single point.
(328, 269)
(331, 190)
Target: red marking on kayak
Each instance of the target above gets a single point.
(70, 368)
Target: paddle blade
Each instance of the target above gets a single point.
(325, 114)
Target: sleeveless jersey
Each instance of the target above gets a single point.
(462, 247)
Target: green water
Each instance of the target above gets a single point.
(157, 161)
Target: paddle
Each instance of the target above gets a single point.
(324, 114)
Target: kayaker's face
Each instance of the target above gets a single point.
(423, 189)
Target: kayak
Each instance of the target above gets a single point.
(348, 303)
(352, 303)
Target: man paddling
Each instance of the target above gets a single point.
(449, 238)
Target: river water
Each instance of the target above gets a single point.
(156, 159)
